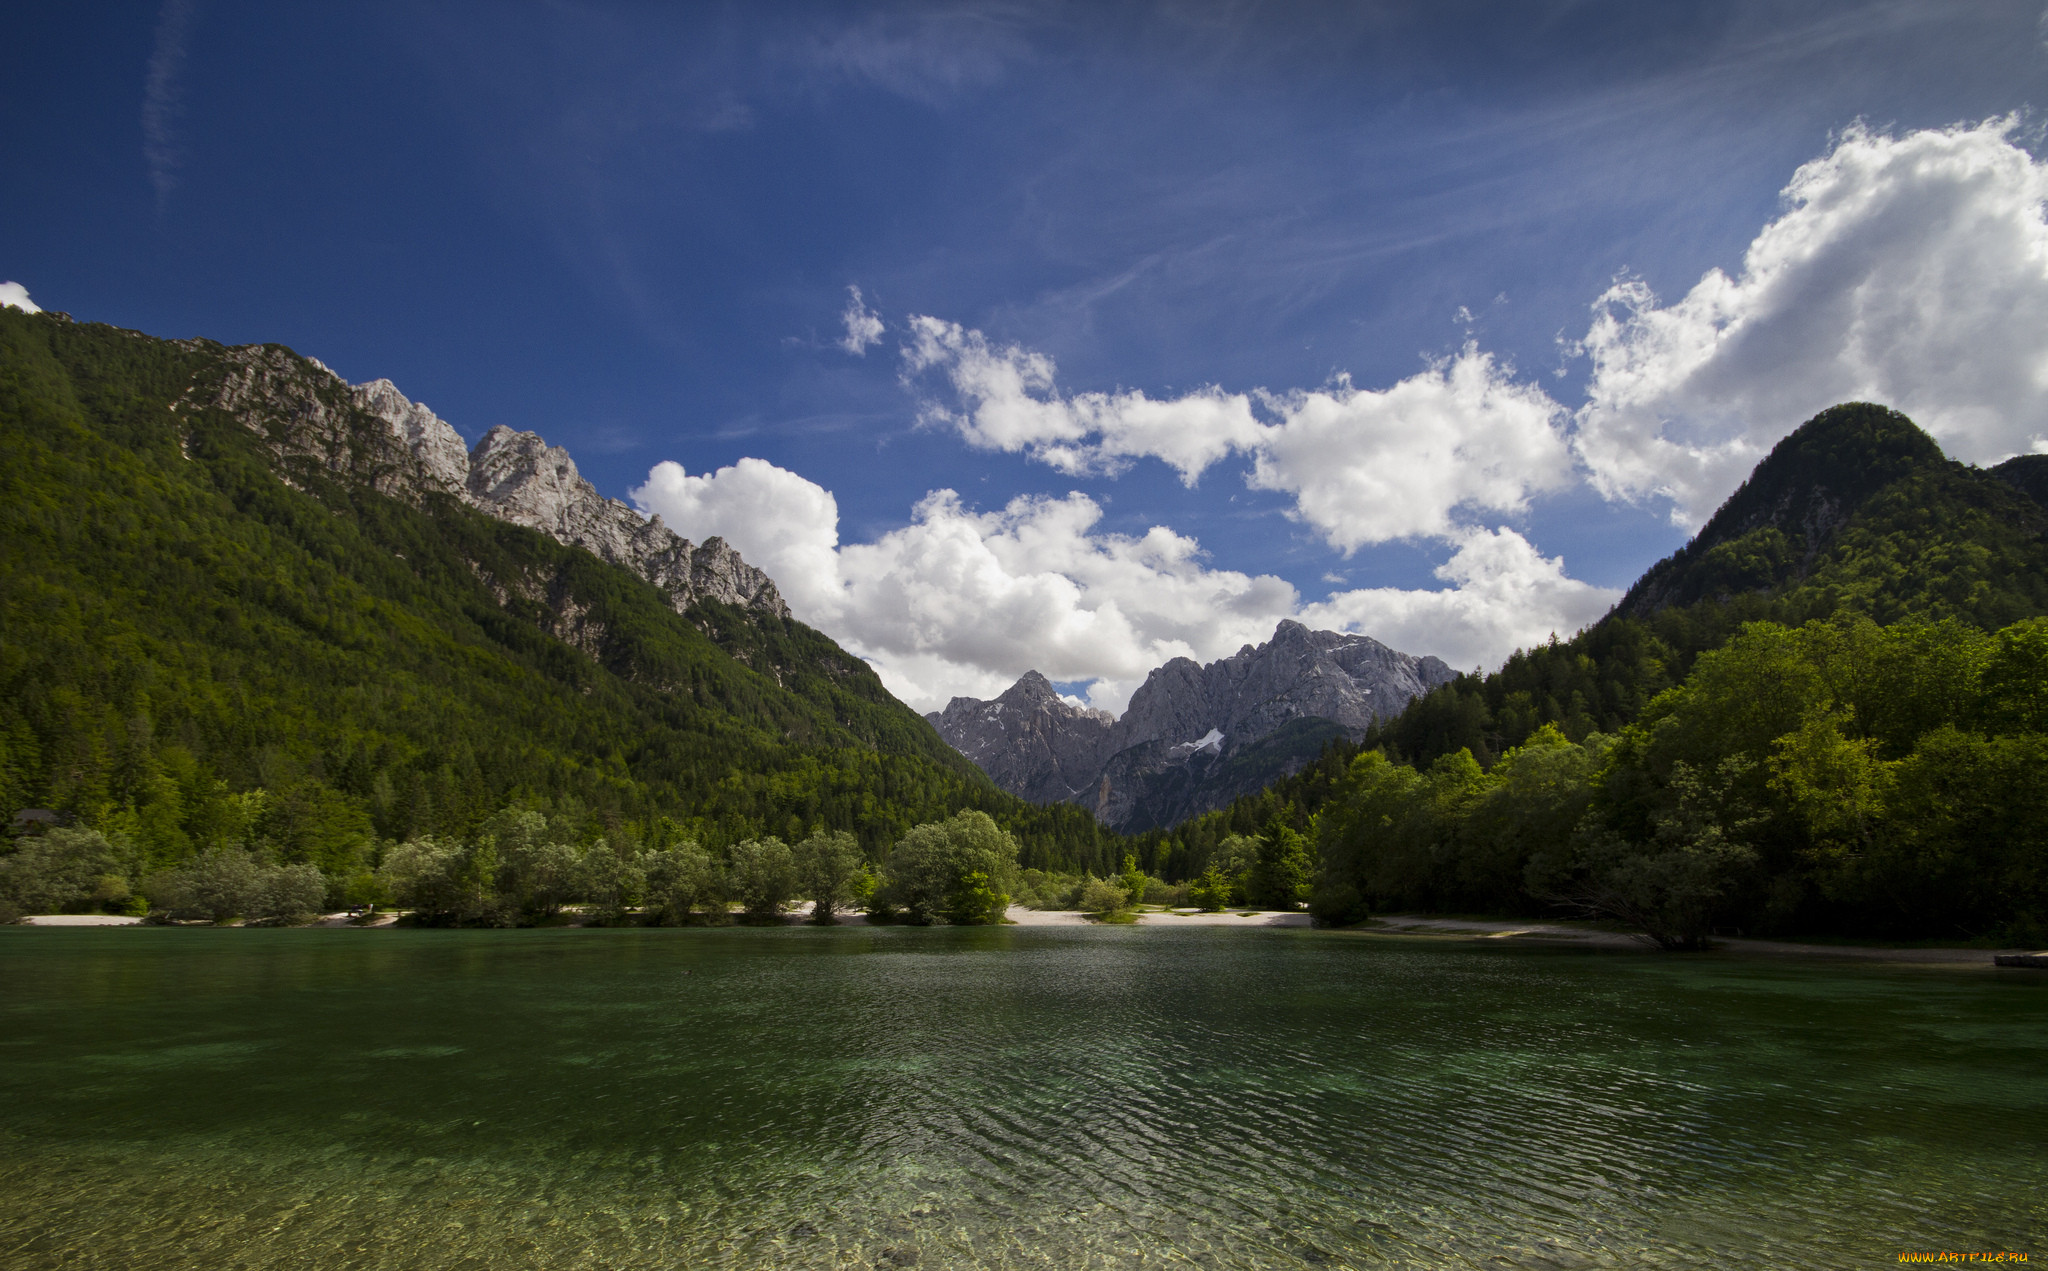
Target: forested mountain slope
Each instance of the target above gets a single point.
(1855, 513)
(221, 621)
(1858, 510)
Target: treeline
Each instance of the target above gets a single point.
(523, 869)
(195, 654)
(1838, 777)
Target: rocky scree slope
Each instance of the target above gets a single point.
(1194, 737)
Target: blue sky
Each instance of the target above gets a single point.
(632, 228)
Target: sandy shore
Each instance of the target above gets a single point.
(1410, 925)
(1590, 937)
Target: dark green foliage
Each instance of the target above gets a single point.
(1839, 778)
(226, 882)
(63, 870)
(761, 875)
(1133, 880)
(683, 882)
(958, 869)
(2026, 473)
(1279, 879)
(197, 653)
(829, 869)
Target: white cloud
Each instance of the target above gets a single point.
(863, 325)
(1910, 271)
(1364, 466)
(1008, 401)
(1504, 595)
(996, 388)
(961, 601)
(779, 522)
(14, 295)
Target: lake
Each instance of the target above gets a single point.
(1008, 1097)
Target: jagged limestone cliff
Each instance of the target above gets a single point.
(302, 408)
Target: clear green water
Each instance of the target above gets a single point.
(1021, 1097)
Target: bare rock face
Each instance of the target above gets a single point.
(373, 432)
(1194, 737)
(438, 448)
(1029, 740)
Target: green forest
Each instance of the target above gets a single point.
(206, 646)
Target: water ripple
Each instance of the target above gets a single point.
(1089, 1098)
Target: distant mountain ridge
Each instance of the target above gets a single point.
(1194, 736)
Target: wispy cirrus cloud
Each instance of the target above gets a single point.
(925, 56)
(163, 96)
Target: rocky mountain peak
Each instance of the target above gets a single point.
(1030, 740)
(1188, 725)
(304, 410)
(437, 447)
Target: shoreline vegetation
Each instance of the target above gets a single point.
(1437, 928)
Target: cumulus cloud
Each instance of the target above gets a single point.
(1504, 595)
(15, 296)
(962, 601)
(1907, 270)
(1364, 466)
(779, 521)
(863, 325)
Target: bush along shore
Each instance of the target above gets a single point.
(525, 869)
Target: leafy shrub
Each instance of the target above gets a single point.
(227, 882)
(682, 880)
(610, 878)
(1100, 896)
(761, 874)
(283, 895)
(931, 864)
(830, 872)
(60, 870)
(1212, 891)
(976, 903)
(1160, 892)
